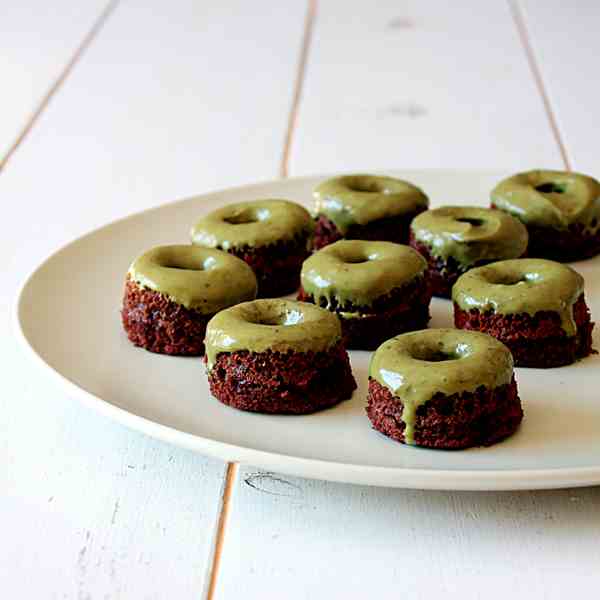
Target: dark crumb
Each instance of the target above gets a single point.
(282, 383)
(393, 229)
(276, 266)
(443, 273)
(535, 341)
(403, 309)
(479, 418)
(562, 245)
(160, 325)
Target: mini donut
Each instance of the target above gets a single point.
(443, 388)
(366, 207)
(534, 306)
(560, 209)
(171, 292)
(377, 289)
(272, 236)
(454, 239)
(277, 356)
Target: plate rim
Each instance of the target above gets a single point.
(395, 477)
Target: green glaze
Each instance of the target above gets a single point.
(202, 279)
(278, 325)
(470, 234)
(361, 199)
(525, 285)
(416, 366)
(255, 223)
(358, 272)
(554, 199)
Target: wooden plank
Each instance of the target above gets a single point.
(563, 39)
(94, 510)
(196, 100)
(415, 85)
(37, 41)
(419, 84)
(300, 539)
(170, 99)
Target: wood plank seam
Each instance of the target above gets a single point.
(523, 32)
(297, 97)
(231, 475)
(55, 87)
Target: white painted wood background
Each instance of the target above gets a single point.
(108, 109)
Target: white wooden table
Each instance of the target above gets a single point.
(105, 110)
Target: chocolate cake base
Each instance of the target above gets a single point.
(465, 420)
(282, 383)
(158, 324)
(394, 229)
(562, 245)
(443, 273)
(403, 309)
(534, 341)
(276, 266)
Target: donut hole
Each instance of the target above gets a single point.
(285, 319)
(471, 221)
(247, 215)
(434, 355)
(188, 263)
(184, 264)
(440, 357)
(551, 187)
(180, 268)
(241, 219)
(440, 352)
(510, 278)
(356, 260)
(369, 186)
(357, 256)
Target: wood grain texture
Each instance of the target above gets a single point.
(565, 44)
(192, 102)
(37, 42)
(92, 510)
(419, 84)
(170, 99)
(538, 78)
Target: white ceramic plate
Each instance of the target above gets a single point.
(68, 317)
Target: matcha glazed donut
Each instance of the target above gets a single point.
(443, 388)
(561, 210)
(454, 239)
(272, 236)
(172, 291)
(366, 207)
(534, 306)
(277, 356)
(377, 289)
